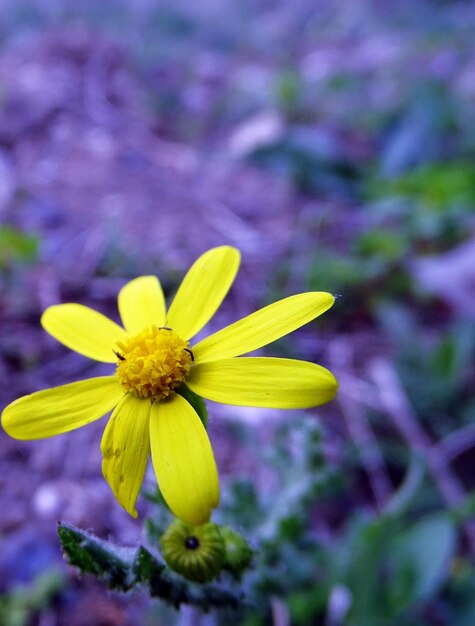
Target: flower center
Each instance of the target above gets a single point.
(153, 363)
(192, 543)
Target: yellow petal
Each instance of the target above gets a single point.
(84, 330)
(142, 304)
(125, 447)
(263, 326)
(61, 409)
(261, 381)
(183, 460)
(202, 290)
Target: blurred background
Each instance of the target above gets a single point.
(333, 143)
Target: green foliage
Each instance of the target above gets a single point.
(122, 569)
(16, 247)
(388, 568)
(238, 552)
(100, 558)
(20, 606)
(196, 402)
(334, 272)
(281, 523)
(197, 553)
(385, 569)
(423, 553)
(309, 161)
(430, 206)
(437, 375)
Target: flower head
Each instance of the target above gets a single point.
(196, 552)
(238, 551)
(153, 357)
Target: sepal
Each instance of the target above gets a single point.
(196, 552)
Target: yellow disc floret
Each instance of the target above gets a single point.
(153, 363)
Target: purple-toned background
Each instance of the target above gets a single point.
(136, 135)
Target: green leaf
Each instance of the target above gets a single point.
(406, 492)
(424, 552)
(153, 573)
(21, 605)
(16, 246)
(146, 567)
(94, 556)
(123, 568)
(165, 584)
(196, 402)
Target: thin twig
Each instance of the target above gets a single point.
(456, 443)
(368, 449)
(396, 404)
(361, 433)
(280, 612)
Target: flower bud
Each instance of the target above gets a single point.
(195, 552)
(238, 551)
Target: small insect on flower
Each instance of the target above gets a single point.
(153, 361)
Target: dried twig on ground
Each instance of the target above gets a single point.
(394, 402)
(361, 432)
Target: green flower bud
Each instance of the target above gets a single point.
(195, 552)
(238, 551)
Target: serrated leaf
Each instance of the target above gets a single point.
(165, 584)
(153, 573)
(95, 556)
(123, 568)
(146, 566)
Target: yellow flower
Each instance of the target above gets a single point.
(153, 357)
